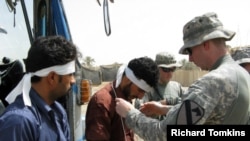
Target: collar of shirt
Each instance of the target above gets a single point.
(44, 107)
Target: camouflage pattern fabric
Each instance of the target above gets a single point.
(166, 60)
(203, 28)
(223, 93)
(171, 92)
(241, 54)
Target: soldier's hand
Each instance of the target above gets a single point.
(123, 107)
(152, 108)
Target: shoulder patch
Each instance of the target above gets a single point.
(190, 113)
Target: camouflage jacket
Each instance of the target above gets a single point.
(223, 93)
(171, 92)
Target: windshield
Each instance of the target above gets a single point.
(15, 42)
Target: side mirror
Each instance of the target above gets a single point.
(190, 113)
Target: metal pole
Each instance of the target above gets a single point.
(27, 21)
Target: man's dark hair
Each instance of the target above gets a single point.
(49, 51)
(145, 68)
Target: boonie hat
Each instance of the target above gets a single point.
(241, 55)
(166, 60)
(203, 28)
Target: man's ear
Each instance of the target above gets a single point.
(52, 78)
(206, 45)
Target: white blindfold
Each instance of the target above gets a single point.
(25, 84)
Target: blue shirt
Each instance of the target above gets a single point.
(35, 123)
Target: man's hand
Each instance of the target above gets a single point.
(123, 107)
(153, 108)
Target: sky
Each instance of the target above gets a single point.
(138, 27)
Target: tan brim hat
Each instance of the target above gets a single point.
(241, 55)
(203, 28)
(170, 65)
(219, 33)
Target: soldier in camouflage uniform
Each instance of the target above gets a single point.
(167, 92)
(242, 57)
(222, 94)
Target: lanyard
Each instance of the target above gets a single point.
(121, 117)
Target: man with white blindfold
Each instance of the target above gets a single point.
(221, 97)
(133, 80)
(33, 113)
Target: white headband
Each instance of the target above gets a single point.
(129, 73)
(25, 84)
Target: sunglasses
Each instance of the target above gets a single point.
(168, 69)
(189, 51)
